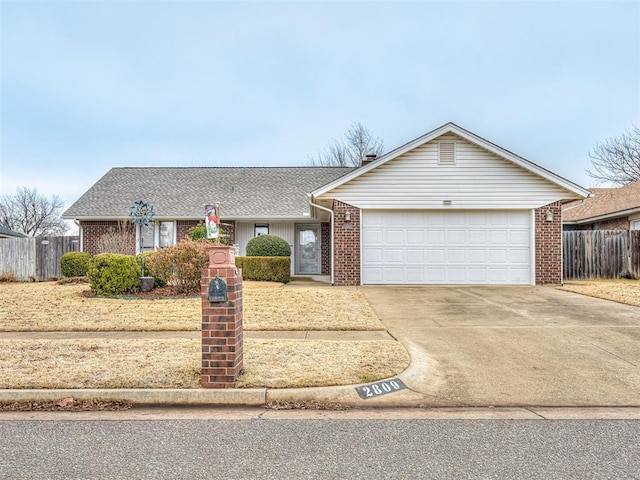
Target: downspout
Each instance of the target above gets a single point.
(331, 213)
(80, 239)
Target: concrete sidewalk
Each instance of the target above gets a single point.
(335, 335)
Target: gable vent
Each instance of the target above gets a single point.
(447, 153)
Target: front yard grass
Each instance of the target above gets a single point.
(47, 306)
(618, 290)
(175, 363)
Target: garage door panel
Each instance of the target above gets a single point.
(478, 237)
(373, 236)
(436, 237)
(394, 255)
(519, 237)
(415, 237)
(373, 255)
(456, 256)
(446, 247)
(394, 237)
(415, 256)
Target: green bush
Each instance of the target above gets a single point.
(75, 264)
(181, 265)
(114, 274)
(199, 232)
(268, 246)
(269, 269)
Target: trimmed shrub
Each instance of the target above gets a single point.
(268, 246)
(199, 232)
(75, 264)
(181, 265)
(269, 269)
(113, 274)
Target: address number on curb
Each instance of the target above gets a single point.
(380, 388)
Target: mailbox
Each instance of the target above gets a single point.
(217, 290)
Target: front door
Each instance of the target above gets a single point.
(308, 253)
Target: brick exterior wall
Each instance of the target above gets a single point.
(182, 228)
(229, 228)
(93, 230)
(548, 248)
(325, 242)
(347, 245)
(222, 336)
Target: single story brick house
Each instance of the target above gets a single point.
(446, 208)
(606, 209)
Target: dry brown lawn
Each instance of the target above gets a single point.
(48, 306)
(618, 290)
(320, 363)
(175, 363)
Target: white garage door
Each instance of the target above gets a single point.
(452, 247)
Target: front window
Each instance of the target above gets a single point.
(166, 237)
(261, 229)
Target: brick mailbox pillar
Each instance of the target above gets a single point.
(221, 293)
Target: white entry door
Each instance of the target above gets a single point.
(446, 247)
(308, 252)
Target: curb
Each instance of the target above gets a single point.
(152, 396)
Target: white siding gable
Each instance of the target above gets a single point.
(479, 179)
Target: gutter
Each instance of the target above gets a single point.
(332, 243)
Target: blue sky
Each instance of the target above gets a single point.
(86, 86)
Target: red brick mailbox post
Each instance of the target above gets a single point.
(221, 293)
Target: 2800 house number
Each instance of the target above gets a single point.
(380, 388)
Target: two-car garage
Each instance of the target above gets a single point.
(447, 247)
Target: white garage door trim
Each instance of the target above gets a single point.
(440, 247)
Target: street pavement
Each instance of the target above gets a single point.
(327, 449)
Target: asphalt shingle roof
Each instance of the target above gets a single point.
(605, 201)
(182, 192)
(4, 231)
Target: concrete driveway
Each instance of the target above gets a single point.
(514, 345)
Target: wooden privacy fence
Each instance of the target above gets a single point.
(34, 259)
(601, 254)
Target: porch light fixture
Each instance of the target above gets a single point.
(549, 216)
(347, 216)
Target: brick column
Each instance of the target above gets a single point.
(347, 245)
(549, 244)
(221, 321)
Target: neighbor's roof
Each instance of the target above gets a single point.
(182, 192)
(5, 232)
(605, 202)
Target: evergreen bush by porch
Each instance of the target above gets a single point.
(268, 246)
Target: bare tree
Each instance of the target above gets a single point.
(617, 160)
(118, 239)
(31, 213)
(357, 143)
